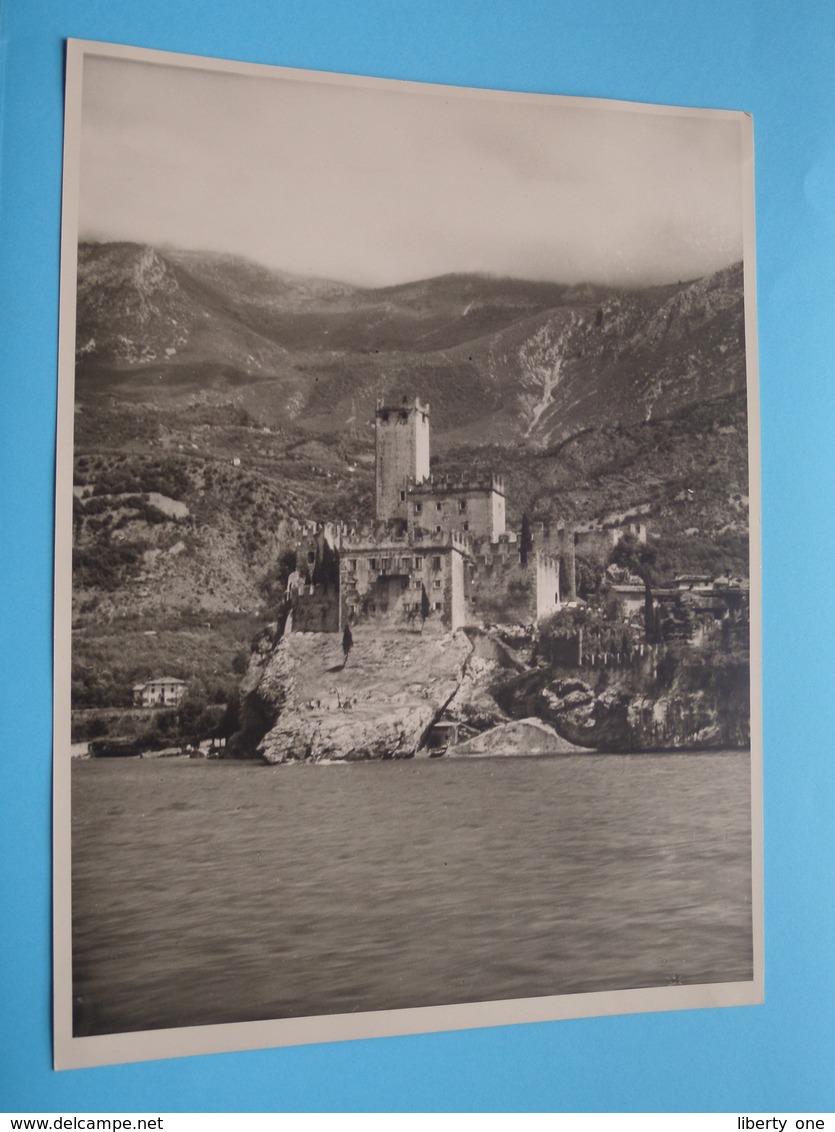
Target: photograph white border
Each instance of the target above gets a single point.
(76, 1052)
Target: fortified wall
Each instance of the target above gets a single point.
(474, 505)
(597, 539)
(406, 579)
(438, 549)
(504, 590)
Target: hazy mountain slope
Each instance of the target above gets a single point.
(136, 308)
(143, 301)
(628, 358)
(498, 359)
(625, 358)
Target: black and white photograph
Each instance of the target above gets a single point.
(407, 568)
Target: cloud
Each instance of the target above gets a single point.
(381, 184)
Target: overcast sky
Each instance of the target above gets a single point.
(377, 185)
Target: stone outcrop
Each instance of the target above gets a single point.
(516, 738)
(473, 703)
(300, 703)
(696, 703)
(379, 705)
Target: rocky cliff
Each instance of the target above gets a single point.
(301, 702)
(677, 700)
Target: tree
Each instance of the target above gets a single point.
(639, 558)
(525, 540)
(273, 584)
(588, 574)
(347, 643)
(326, 570)
(192, 716)
(230, 720)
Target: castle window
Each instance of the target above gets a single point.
(439, 506)
(466, 526)
(372, 562)
(385, 565)
(436, 584)
(437, 528)
(405, 563)
(311, 557)
(462, 504)
(404, 416)
(436, 605)
(402, 496)
(418, 508)
(436, 562)
(418, 563)
(418, 584)
(352, 563)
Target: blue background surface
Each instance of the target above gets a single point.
(773, 59)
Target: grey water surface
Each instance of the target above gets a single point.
(208, 892)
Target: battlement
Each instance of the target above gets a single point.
(389, 411)
(541, 531)
(333, 532)
(382, 540)
(376, 538)
(448, 483)
(459, 541)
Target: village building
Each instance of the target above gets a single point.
(164, 691)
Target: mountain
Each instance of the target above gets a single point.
(500, 360)
(220, 403)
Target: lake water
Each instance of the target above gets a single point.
(216, 892)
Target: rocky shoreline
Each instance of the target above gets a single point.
(303, 701)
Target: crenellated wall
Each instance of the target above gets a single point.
(474, 505)
(401, 579)
(504, 590)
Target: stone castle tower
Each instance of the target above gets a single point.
(402, 443)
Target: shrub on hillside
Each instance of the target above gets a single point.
(167, 476)
(602, 631)
(105, 565)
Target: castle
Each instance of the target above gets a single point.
(439, 552)
(439, 548)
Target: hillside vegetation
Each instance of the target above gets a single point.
(219, 404)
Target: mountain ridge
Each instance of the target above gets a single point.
(502, 359)
(246, 400)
